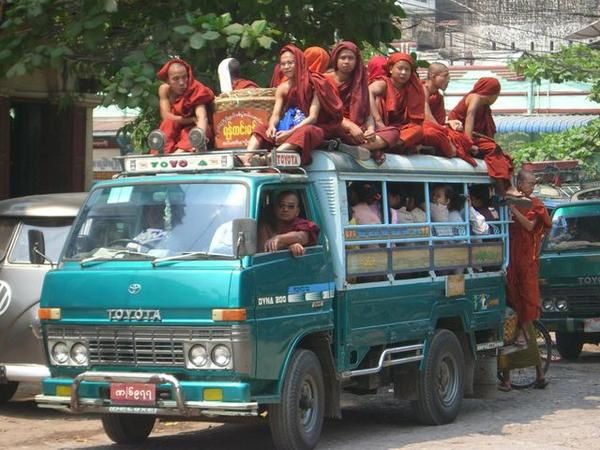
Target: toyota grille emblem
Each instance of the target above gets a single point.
(134, 288)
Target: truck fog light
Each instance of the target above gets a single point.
(548, 304)
(198, 355)
(221, 355)
(562, 304)
(79, 354)
(60, 353)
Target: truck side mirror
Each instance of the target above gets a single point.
(37, 246)
(244, 237)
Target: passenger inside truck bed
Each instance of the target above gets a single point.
(281, 227)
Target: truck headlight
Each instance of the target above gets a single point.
(198, 355)
(79, 354)
(60, 353)
(548, 304)
(561, 304)
(221, 355)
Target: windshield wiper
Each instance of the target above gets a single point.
(108, 257)
(192, 255)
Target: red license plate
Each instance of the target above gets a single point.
(133, 393)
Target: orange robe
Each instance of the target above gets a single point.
(177, 135)
(523, 290)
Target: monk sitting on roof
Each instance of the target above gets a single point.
(317, 59)
(304, 104)
(445, 135)
(474, 112)
(237, 82)
(397, 106)
(182, 101)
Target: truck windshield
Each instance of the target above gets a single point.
(6, 228)
(573, 233)
(158, 220)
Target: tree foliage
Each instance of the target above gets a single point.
(577, 143)
(118, 45)
(576, 63)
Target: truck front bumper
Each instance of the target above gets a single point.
(24, 373)
(77, 398)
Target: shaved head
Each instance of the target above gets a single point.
(435, 69)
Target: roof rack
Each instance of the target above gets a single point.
(213, 160)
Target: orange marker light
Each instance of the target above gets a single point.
(228, 315)
(49, 314)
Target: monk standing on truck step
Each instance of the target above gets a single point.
(522, 290)
(445, 135)
(182, 102)
(397, 105)
(305, 104)
(474, 112)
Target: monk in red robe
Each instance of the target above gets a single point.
(474, 112)
(398, 107)
(523, 292)
(376, 67)
(285, 229)
(312, 100)
(183, 101)
(317, 59)
(445, 136)
(237, 82)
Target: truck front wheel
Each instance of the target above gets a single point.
(127, 428)
(296, 421)
(440, 381)
(569, 344)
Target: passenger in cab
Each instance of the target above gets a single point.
(480, 197)
(305, 104)
(183, 104)
(237, 82)
(368, 209)
(414, 211)
(456, 213)
(317, 59)
(283, 228)
(474, 112)
(397, 106)
(440, 198)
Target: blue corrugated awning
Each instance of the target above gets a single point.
(540, 123)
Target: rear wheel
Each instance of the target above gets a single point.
(7, 391)
(127, 428)
(569, 344)
(296, 421)
(440, 382)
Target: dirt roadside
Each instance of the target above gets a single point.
(565, 415)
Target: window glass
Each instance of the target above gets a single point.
(7, 225)
(158, 220)
(574, 233)
(55, 233)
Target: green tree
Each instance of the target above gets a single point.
(576, 63)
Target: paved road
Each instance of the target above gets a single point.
(565, 415)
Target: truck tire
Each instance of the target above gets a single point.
(440, 381)
(296, 421)
(7, 391)
(127, 428)
(569, 344)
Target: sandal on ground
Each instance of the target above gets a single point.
(378, 156)
(504, 387)
(541, 384)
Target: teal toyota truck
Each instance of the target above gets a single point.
(570, 276)
(163, 305)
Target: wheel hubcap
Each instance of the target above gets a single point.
(447, 381)
(306, 404)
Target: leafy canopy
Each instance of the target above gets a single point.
(576, 63)
(118, 45)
